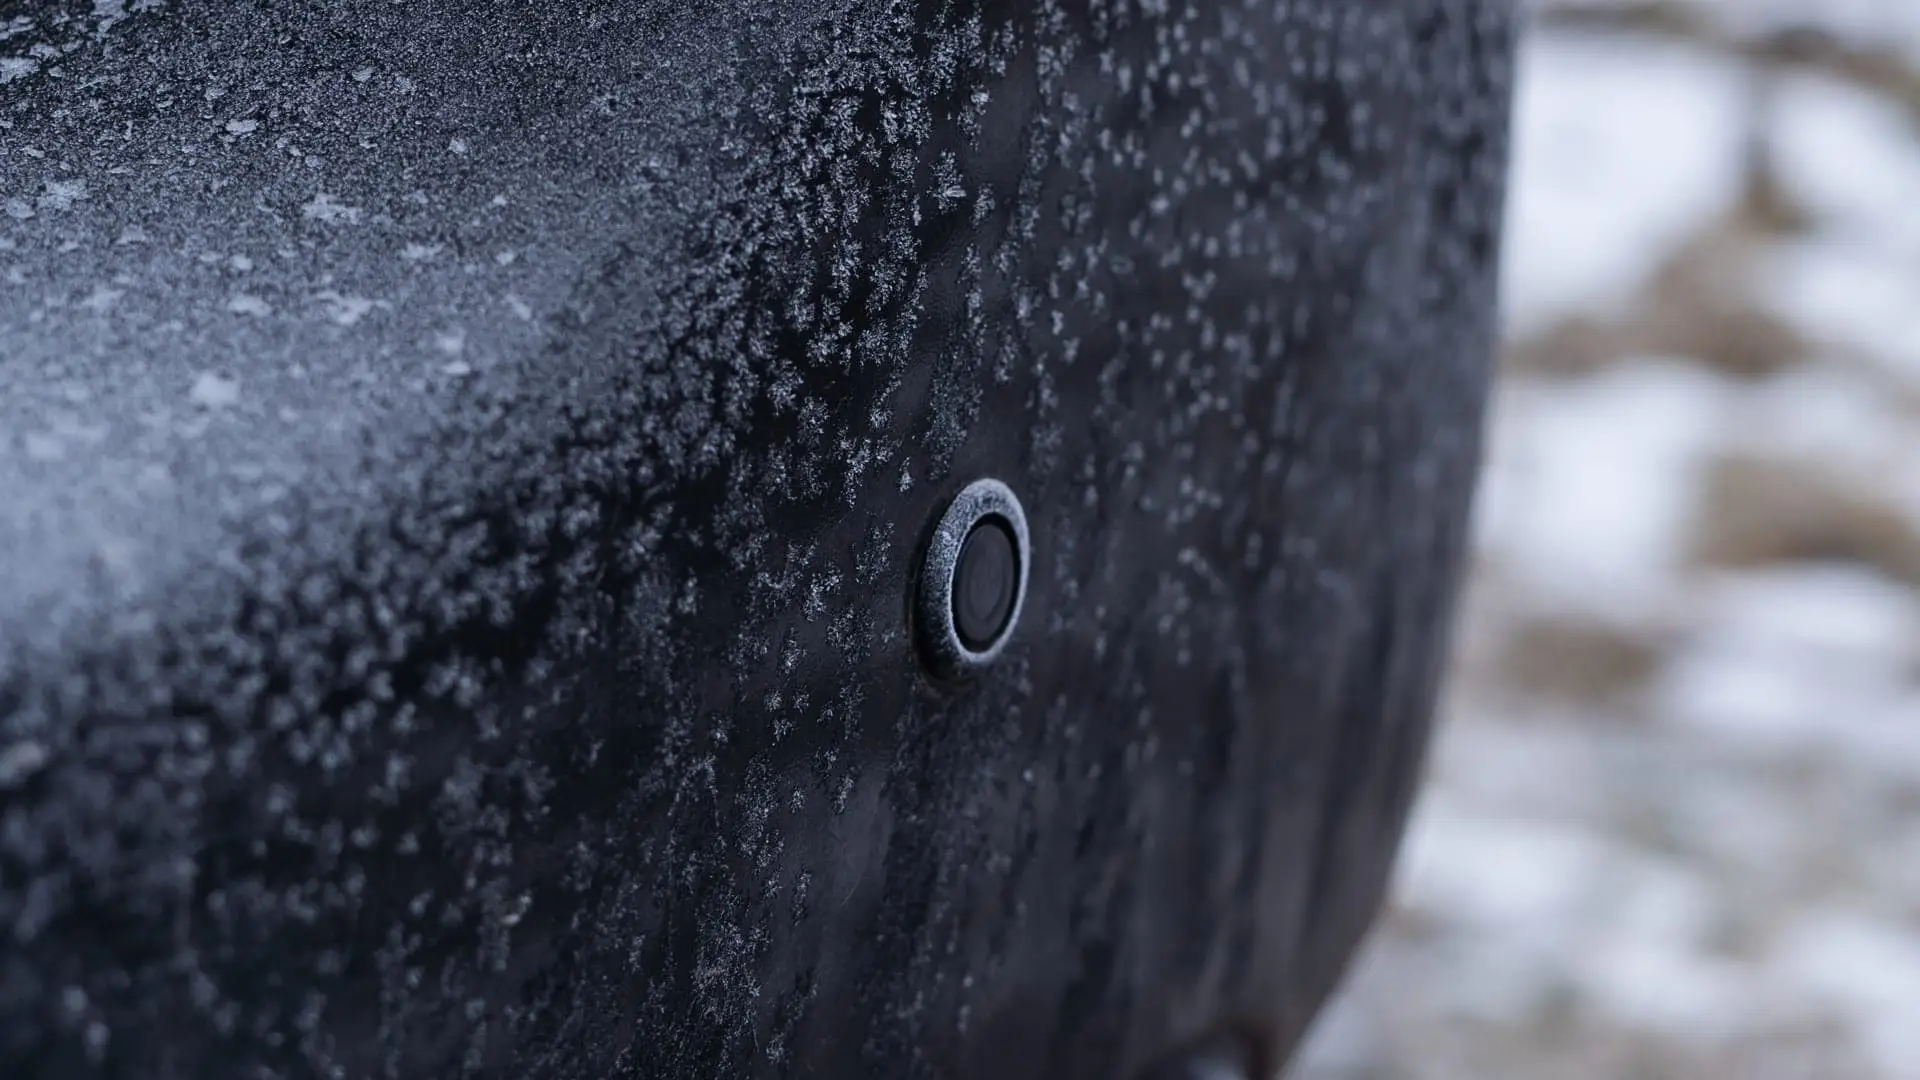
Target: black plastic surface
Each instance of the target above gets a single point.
(462, 465)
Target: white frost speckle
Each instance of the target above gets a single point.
(457, 368)
(345, 310)
(506, 258)
(241, 263)
(327, 210)
(458, 146)
(212, 391)
(21, 760)
(242, 127)
(419, 252)
(102, 299)
(248, 304)
(108, 14)
(16, 67)
(41, 446)
(62, 194)
(451, 342)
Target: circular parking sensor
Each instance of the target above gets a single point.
(984, 582)
(973, 580)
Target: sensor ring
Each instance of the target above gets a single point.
(969, 598)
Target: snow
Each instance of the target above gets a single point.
(1892, 25)
(1590, 484)
(1850, 296)
(1851, 157)
(1869, 970)
(1622, 148)
(1708, 867)
(1827, 415)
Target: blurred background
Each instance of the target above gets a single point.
(1673, 824)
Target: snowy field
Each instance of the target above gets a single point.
(1673, 829)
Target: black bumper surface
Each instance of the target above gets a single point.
(464, 466)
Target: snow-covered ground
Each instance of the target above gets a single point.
(1673, 828)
